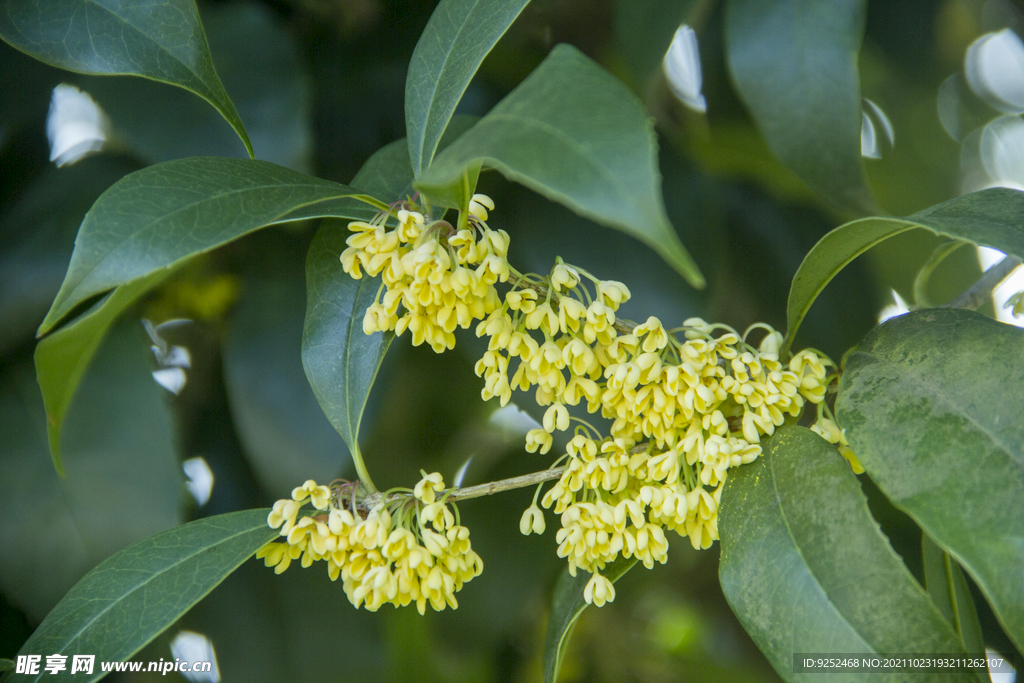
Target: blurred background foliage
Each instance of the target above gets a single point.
(319, 85)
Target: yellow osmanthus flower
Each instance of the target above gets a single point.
(685, 405)
(408, 548)
(434, 277)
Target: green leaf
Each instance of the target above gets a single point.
(162, 40)
(950, 593)
(165, 214)
(795, 66)
(258, 63)
(990, 218)
(545, 135)
(6, 664)
(458, 36)
(567, 604)
(931, 405)
(63, 357)
(341, 362)
(134, 595)
(805, 567)
(124, 477)
(156, 220)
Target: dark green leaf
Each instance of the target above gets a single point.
(162, 40)
(155, 220)
(931, 404)
(458, 36)
(951, 594)
(256, 60)
(990, 218)
(130, 598)
(63, 357)
(544, 135)
(124, 479)
(341, 362)
(165, 214)
(286, 438)
(805, 567)
(567, 604)
(795, 65)
(6, 664)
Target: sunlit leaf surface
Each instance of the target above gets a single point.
(805, 567)
(931, 402)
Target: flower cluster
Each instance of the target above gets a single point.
(685, 405)
(435, 278)
(408, 548)
(683, 412)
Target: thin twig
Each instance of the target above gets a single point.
(493, 487)
(980, 291)
(374, 499)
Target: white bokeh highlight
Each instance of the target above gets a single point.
(682, 69)
(192, 647)
(76, 126)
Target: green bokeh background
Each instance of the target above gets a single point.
(319, 85)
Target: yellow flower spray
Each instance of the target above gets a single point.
(686, 405)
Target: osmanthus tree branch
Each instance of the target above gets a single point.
(493, 487)
(478, 491)
(981, 291)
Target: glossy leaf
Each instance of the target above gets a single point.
(124, 475)
(162, 40)
(153, 221)
(164, 214)
(567, 604)
(63, 357)
(455, 41)
(795, 66)
(805, 567)
(341, 362)
(951, 594)
(545, 135)
(134, 595)
(258, 63)
(931, 406)
(990, 218)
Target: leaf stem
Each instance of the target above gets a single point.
(361, 471)
(925, 273)
(980, 291)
